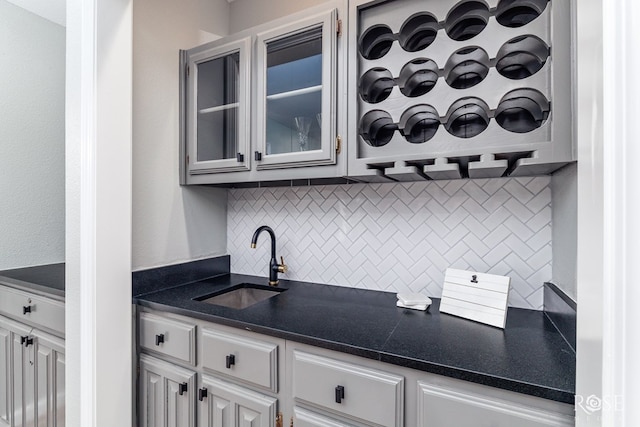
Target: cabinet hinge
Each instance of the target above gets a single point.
(339, 27)
(188, 70)
(187, 159)
(338, 144)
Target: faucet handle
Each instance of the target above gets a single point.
(282, 268)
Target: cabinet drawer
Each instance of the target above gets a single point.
(306, 418)
(168, 336)
(45, 313)
(242, 358)
(355, 391)
(463, 408)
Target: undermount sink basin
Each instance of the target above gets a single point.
(241, 296)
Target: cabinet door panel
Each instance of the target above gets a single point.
(217, 107)
(230, 405)
(48, 381)
(5, 377)
(45, 407)
(216, 413)
(249, 418)
(151, 410)
(177, 410)
(296, 93)
(23, 383)
(166, 397)
(59, 389)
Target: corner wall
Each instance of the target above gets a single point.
(171, 224)
(564, 191)
(32, 187)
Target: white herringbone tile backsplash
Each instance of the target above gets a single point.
(400, 237)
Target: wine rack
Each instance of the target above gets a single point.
(455, 89)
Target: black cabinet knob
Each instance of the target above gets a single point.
(258, 156)
(159, 339)
(202, 393)
(339, 394)
(240, 157)
(26, 309)
(182, 388)
(26, 341)
(231, 360)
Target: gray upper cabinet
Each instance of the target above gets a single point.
(296, 93)
(268, 103)
(216, 100)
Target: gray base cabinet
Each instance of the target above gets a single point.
(32, 362)
(253, 380)
(191, 373)
(224, 404)
(31, 377)
(167, 394)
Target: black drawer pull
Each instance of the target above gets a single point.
(26, 309)
(26, 341)
(339, 394)
(202, 393)
(231, 360)
(182, 388)
(159, 339)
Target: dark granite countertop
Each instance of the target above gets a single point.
(44, 279)
(529, 356)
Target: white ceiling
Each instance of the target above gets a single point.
(53, 10)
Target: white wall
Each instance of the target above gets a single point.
(171, 224)
(98, 310)
(249, 13)
(32, 75)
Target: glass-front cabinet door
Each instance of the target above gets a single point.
(217, 107)
(296, 94)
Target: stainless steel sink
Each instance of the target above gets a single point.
(241, 296)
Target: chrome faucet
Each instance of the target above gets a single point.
(274, 267)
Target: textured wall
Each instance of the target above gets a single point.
(399, 237)
(170, 223)
(249, 13)
(32, 81)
